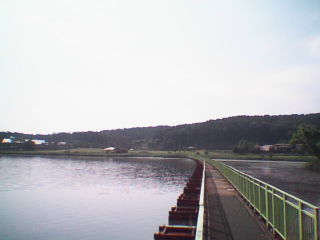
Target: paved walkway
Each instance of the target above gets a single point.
(228, 218)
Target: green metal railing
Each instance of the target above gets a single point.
(287, 215)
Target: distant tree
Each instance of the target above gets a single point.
(29, 146)
(309, 136)
(244, 146)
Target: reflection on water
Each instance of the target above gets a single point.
(288, 176)
(87, 198)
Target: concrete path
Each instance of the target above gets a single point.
(228, 217)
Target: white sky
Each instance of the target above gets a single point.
(78, 65)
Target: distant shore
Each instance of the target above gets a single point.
(96, 152)
(91, 152)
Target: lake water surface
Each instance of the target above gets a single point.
(291, 177)
(46, 198)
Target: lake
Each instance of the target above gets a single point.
(291, 177)
(88, 198)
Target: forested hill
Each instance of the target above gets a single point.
(214, 134)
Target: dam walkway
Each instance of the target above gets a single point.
(221, 203)
(227, 215)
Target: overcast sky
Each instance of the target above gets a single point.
(79, 65)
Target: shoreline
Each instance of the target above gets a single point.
(223, 156)
(87, 154)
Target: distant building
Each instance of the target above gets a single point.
(38, 142)
(282, 148)
(109, 149)
(115, 150)
(299, 147)
(266, 148)
(61, 143)
(6, 140)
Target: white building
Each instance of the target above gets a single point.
(265, 148)
(109, 149)
(38, 142)
(6, 140)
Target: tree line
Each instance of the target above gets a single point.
(213, 134)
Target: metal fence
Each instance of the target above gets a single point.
(287, 215)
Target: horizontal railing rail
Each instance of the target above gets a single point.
(287, 215)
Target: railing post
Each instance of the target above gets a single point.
(284, 215)
(267, 205)
(300, 221)
(316, 223)
(246, 186)
(250, 194)
(249, 182)
(253, 193)
(273, 228)
(259, 189)
(242, 184)
(237, 179)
